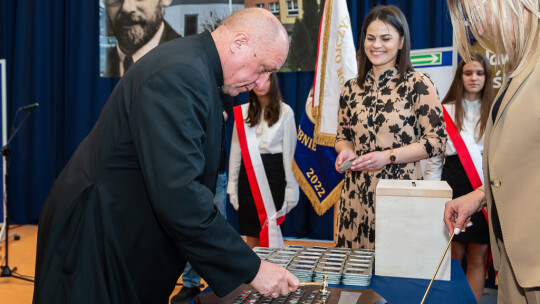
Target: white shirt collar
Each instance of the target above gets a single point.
(471, 104)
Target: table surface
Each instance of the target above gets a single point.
(406, 290)
(246, 294)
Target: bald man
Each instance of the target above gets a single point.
(136, 199)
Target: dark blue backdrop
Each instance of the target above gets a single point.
(52, 53)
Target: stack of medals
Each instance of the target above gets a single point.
(263, 252)
(282, 256)
(303, 264)
(331, 264)
(309, 264)
(358, 268)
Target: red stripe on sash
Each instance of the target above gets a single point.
(462, 151)
(465, 158)
(252, 178)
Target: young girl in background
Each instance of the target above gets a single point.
(276, 138)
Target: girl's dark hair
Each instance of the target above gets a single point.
(272, 111)
(393, 16)
(457, 89)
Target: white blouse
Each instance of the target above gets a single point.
(279, 138)
(434, 165)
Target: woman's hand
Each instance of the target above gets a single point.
(457, 212)
(343, 156)
(371, 161)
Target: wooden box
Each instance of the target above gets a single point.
(410, 235)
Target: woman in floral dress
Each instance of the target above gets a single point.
(389, 117)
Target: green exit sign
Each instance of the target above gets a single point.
(427, 59)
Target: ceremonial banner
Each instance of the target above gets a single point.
(336, 63)
(314, 157)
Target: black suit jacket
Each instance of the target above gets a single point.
(136, 199)
(112, 65)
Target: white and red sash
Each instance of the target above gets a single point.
(470, 158)
(467, 151)
(270, 235)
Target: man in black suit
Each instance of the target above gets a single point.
(138, 26)
(136, 199)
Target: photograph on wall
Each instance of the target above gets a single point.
(130, 28)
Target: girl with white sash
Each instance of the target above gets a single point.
(466, 110)
(261, 182)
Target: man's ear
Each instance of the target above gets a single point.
(239, 41)
(166, 3)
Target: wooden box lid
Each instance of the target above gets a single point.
(413, 188)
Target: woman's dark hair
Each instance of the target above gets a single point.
(393, 16)
(272, 111)
(457, 90)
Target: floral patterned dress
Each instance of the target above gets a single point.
(385, 114)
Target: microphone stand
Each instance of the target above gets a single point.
(6, 150)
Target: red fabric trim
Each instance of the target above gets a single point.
(462, 151)
(252, 178)
(466, 161)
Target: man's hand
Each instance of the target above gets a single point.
(274, 280)
(457, 213)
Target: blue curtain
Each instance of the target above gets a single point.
(52, 53)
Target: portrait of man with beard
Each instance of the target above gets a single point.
(138, 27)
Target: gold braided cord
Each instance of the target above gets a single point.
(325, 39)
(326, 140)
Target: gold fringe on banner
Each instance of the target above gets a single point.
(327, 203)
(326, 36)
